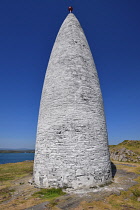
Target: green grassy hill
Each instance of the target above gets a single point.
(133, 145)
(127, 151)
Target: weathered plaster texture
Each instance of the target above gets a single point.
(72, 144)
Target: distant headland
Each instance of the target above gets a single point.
(4, 150)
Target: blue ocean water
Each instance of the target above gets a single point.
(15, 157)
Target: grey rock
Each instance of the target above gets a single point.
(138, 199)
(124, 155)
(39, 206)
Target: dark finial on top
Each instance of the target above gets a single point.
(70, 9)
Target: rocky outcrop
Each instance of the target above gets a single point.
(124, 155)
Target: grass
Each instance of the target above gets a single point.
(12, 176)
(49, 193)
(12, 171)
(125, 201)
(9, 173)
(104, 185)
(5, 194)
(133, 145)
(136, 193)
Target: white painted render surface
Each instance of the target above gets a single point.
(72, 143)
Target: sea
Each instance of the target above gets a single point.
(15, 157)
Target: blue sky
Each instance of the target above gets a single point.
(27, 32)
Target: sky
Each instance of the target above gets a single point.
(28, 29)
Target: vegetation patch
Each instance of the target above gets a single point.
(133, 145)
(6, 194)
(106, 184)
(127, 151)
(12, 171)
(16, 176)
(136, 193)
(125, 201)
(49, 193)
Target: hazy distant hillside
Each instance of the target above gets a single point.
(16, 151)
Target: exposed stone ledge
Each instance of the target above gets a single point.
(124, 155)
